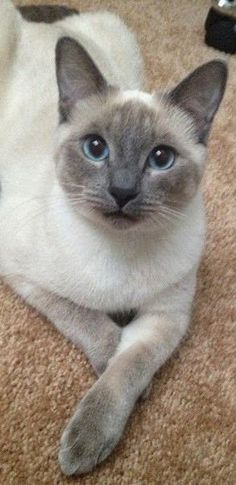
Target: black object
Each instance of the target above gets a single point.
(46, 13)
(220, 27)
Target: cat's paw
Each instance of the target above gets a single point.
(92, 433)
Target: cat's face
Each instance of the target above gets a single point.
(131, 159)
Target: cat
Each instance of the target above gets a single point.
(101, 210)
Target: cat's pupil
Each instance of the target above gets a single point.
(162, 156)
(97, 148)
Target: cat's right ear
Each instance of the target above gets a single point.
(77, 75)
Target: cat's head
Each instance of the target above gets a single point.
(126, 158)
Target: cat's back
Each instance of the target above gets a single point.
(104, 35)
(112, 45)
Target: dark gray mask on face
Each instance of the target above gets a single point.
(127, 157)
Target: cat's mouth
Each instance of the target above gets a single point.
(120, 219)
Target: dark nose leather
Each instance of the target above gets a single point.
(123, 187)
(123, 196)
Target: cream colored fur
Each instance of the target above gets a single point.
(39, 236)
(42, 243)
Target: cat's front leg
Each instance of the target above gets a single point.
(91, 330)
(147, 342)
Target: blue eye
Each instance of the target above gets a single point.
(95, 148)
(161, 158)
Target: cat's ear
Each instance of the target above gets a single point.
(77, 75)
(200, 95)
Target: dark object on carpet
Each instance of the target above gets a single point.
(220, 26)
(46, 13)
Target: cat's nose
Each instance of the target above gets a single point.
(123, 187)
(123, 196)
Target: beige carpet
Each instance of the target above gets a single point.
(185, 433)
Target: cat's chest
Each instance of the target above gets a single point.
(120, 274)
(65, 256)
(105, 284)
(61, 253)
(113, 278)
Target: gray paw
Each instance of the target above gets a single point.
(92, 433)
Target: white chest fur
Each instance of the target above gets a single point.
(40, 239)
(48, 244)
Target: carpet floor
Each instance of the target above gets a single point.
(185, 433)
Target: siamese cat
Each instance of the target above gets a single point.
(101, 211)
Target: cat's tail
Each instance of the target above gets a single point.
(10, 24)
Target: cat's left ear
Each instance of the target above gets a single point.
(77, 75)
(200, 95)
